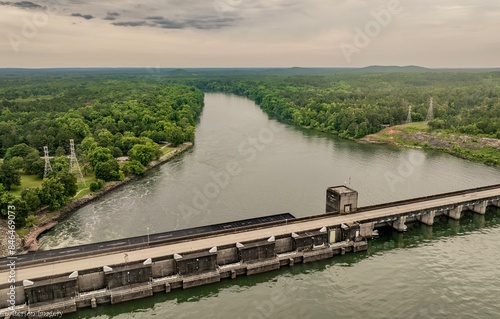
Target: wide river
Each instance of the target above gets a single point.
(450, 270)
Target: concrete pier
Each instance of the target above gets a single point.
(428, 218)
(400, 224)
(495, 202)
(479, 208)
(456, 212)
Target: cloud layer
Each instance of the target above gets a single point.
(451, 33)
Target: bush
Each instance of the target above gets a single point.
(95, 186)
(31, 220)
(133, 168)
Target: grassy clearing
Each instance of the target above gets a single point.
(474, 148)
(27, 181)
(166, 150)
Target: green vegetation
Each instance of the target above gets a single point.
(106, 116)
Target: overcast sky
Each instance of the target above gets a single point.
(249, 33)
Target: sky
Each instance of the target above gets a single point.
(249, 33)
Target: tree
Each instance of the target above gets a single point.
(32, 198)
(6, 200)
(174, 134)
(9, 176)
(69, 182)
(143, 153)
(88, 145)
(107, 171)
(133, 168)
(21, 150)
(61, 164)
(17, 162)
(22, 211)
(52, 193)
(100, 155)
(34, 165)
(60, 152)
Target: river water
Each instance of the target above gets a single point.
(245, 165)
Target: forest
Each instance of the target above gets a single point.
(106, 116)
(129, 113)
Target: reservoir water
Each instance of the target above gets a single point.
(245, 165)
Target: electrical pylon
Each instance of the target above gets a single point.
(73, 162)
(430, 112)
(408, 119)
(48, 167)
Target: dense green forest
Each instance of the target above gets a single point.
(106, 116)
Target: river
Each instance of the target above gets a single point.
(245, 164)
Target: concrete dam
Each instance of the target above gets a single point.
(64, 280)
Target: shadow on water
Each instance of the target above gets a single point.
(417, 235)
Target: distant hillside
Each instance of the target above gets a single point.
(394, 69)
(214, 72)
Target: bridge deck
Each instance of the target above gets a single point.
(207, 241)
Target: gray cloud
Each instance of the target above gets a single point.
(22, 4)
(85, 16)
(431, 33)
(155, 18)
(201, 23)
(130, 23)
(111, 16)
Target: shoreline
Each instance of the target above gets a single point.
(30, 240)
(462, 146)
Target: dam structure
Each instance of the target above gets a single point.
(67, 279)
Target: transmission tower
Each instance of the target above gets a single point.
(430, 112)
(73, 162)
(48, 167)
(408, 119)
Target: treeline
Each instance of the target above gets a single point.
(353, 106)
(106, 116)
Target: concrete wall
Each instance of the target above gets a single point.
(227, 256)
(257, 251)
(51, 290)
(128, 276)
(5, 294)
(91, 282)
(283, 245)
(196, 264)
(163, 268)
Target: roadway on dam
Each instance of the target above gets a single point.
(206, 241)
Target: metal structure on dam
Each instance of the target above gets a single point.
(117, 271)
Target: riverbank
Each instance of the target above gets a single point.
(417, 135)
(48, 219)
